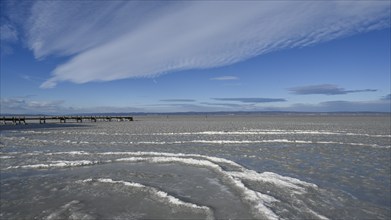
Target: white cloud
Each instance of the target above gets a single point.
(325, 89)
(113, 40)
(24, 105)
(8, 33)
(339, 106)
(224, 78)
(251, 100)
(177, 100)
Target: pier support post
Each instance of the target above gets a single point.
(23, 120)
(42, 120)
(62, 120)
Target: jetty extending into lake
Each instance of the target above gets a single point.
(62, 119)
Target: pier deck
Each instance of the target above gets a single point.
(61, 119)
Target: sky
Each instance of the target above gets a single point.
(69, 57)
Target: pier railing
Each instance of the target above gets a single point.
(61, 119)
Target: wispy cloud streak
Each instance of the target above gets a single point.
(233, 106)
(386, 98)
(251, 100)
(325, 89)
(225, 78)
(343, 106)
(177, 100)
(112, 40)
(8, 33)
(24, 105)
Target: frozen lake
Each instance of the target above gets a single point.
(197, 167)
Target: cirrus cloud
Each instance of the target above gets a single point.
(251, 100)
(386, 98)
(325, 89)
(23, 105)
(225, 78)
(8, 33)
(111, 40)
(177, 100)
(343, 106)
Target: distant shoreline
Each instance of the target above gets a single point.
(240, 113)
(35, 124)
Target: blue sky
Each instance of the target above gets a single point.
(61, 57)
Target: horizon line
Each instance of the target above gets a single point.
(197, 113)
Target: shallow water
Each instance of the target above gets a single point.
(196, 167)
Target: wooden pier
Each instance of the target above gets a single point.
(62, 119)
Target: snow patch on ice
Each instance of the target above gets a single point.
(160, 194)
(56, 164)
